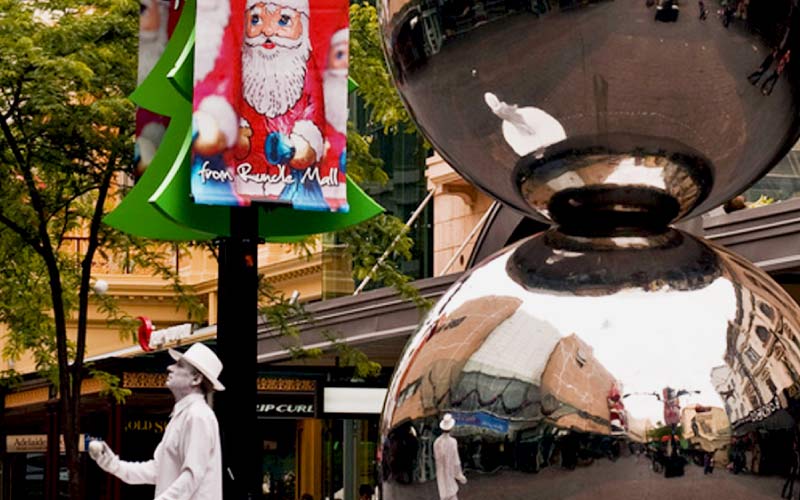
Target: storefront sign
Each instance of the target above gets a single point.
(37, 443)
(144, 380)
(155, 426)
(280, 405)
(354, 400)
(762, 412)
(277, 384)
(482, 420)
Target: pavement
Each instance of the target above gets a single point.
(626, 478)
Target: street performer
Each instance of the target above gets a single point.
(187, 464)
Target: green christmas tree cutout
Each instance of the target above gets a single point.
(160, 206)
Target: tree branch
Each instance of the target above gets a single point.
(86, 264)
(22, 233)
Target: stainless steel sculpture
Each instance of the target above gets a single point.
(610, 356)
(552, 106)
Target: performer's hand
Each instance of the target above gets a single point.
(208, 138)
(102, 454)
(462, 478)
(278, 149)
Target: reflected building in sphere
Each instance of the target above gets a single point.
(527, 350)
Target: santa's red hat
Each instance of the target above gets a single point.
(300, 6)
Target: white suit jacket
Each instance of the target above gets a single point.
(187, 464)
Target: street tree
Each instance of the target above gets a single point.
(66, 125)
(386, 115)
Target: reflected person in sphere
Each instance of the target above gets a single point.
(187, 464)
(448, 464)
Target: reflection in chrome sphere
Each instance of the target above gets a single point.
(570, 110)
(633, 366)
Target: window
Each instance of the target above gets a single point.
(771, 385)
(767, 310)
(762, 333)
(782, 183)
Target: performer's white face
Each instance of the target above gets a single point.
(274, 56)
(182, 379)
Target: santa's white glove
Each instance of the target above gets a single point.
(102, 454)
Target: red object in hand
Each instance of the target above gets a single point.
(145, 329)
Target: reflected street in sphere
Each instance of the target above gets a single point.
(571, 110)
(633, 366)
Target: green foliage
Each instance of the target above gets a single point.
(368, 68)
(111, 384)
(66, 141)
(362, 166)
(369, 240)
(132, 253)
(348, 355)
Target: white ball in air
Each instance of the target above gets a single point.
(100, 287)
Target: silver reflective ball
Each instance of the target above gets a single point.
(623, 367)
(637, 110)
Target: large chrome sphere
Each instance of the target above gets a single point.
(617, 367)
(575, 109)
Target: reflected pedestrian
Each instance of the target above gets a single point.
(769, 83)
(703, 12)
(794, 471)
(448, 463)
(708, 463)
(756, 75)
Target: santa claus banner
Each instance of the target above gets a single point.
(270, 103)
(156, 21)
(672, 406)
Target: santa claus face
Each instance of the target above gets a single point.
(150, 17)
(273, 21)
(338, 56)
(274, 56)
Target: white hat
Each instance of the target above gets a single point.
(340, 36)
(300, 6)
(447, 422)
(204, 360)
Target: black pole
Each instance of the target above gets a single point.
(236, 346)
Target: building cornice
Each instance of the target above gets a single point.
(768, 236)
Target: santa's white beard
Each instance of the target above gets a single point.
(152, 43)
(212, 19)
(273, 79)
(150, 50)
(335, 91)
